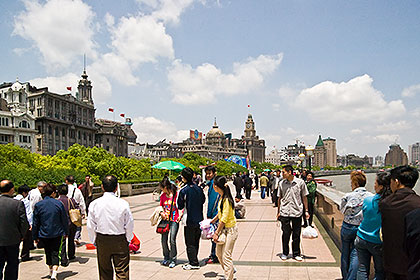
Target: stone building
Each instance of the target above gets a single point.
(216, 145)
(414, 153)
(320, 153)
(62, 119)
(114, 136)
(17, 123)
(325, 153)
(330, 146)
(396, 156)
(254, 146)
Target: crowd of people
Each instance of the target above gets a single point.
(384, 226)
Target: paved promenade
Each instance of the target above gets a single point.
(256, 253)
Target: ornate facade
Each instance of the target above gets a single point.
(17, 123)
(114, 136)
(62, 119)
(254, 146)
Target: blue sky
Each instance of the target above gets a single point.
(348, 70)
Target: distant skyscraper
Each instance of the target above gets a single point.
(414, 153)
(330, 146)
(396, 156)
(320, 153)
(379, 161)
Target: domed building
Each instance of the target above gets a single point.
(215, 136)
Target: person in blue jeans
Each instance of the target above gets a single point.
(170, 213)
(351, 207)
(213, 198)
(368, 242)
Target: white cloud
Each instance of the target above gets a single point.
(411, 91)
(62, 30)
(166, 10)
(101, 86)
(116, 67)
(355, 131)
(57, 84)
(140, 39)
(382, 138)
(394, 126)
(151, 130)
(355, 100)
(203, 84)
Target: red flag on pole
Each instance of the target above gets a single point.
(249, 106)
(110, 109)
(68, 88)
(122, 115)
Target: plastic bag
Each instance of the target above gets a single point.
(207, 229)
(309, 232)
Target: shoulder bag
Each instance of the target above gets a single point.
(74, 213)
(163, 226)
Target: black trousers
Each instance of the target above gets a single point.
(238, 191)
(192, 241)
(9, 256)
(291, 226)
(248, 193)
(71, 252)
(113, 254)
(27, 244)
(52, 247)
(311, 212)
(274, 198)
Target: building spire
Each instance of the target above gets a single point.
(215, 123)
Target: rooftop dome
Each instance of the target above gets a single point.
(215, 132)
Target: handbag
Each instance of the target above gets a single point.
(222, 238)
(74, 214)
(163, 226)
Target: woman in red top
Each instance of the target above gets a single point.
(168, 202)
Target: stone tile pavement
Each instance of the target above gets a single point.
(256, 254)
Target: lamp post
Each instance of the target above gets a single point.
(309, 152)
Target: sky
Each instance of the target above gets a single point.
(348, 70)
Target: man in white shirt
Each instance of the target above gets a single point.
(110, 226)
(35, 195)
(28, 243)
(291, 194)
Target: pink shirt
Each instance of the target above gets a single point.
(165, 202)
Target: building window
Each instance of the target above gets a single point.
(84, 136)
(24, 139)
(39, 112)
(38, 101)
(63, 133)
(56, 132)
(39, 129)
(79, 135)
(49, 130)
(24, 124)
(38, 144)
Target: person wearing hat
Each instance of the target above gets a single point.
(191, 198)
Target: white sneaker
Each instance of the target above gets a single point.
(283, 257)
(298, 258)
(190, 267)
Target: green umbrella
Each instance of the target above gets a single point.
(267, 170)
(169, 165)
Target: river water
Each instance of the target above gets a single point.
(342, 183)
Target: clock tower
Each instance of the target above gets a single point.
(255, 146)
(250, 127)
